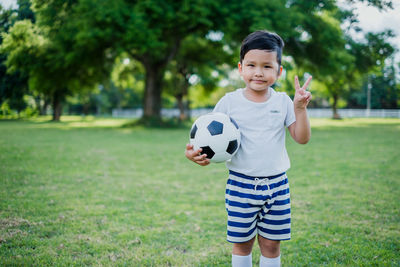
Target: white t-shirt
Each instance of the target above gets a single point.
(262, 150)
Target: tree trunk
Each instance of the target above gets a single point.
(57, 105)
(152, 94)
(85, 109)
(336, 115)
(155, 69)
(182, 106)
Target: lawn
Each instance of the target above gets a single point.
(89, 192)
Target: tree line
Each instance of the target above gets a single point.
(151, 53)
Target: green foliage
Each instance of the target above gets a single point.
(199, 59)
(24, 44)
(384, 91)
(13, 86)
(128, 77)
(200, 97)
(51, 52)
(68, 48)
(155, 35)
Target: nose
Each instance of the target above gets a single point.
(258, 72)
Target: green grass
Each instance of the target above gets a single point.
(88, 192)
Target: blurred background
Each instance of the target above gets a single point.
(156, 58)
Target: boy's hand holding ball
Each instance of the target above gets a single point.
(195, 156)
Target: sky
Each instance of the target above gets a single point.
(371, 19)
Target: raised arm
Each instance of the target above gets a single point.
(301, 130)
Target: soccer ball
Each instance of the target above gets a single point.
(217, 134)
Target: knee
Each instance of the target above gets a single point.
(243, 249)
(269, 248)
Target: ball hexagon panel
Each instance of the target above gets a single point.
(207, 150)
(215, 128)
(233, 145)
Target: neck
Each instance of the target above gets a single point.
(257, 96)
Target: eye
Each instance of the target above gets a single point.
(250, 65)
(267, 67)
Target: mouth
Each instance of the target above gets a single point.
(258, 81)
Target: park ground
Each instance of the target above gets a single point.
(86, 191)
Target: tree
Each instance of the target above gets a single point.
(13, 86)
(361, 57)
(81, 40)
(198, 57)
(28, 52)
(58, 58)
(313, 37)
(371, 60)
(384, 90)
(154, 34)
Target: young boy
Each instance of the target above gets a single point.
(257, 192)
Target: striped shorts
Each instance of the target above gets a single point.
(257, 205)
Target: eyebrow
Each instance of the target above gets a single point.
(265, 62)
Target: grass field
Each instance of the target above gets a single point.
(88, 192)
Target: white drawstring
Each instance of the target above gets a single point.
(261, 182)
(269, 192)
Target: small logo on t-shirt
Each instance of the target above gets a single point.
(275, 111)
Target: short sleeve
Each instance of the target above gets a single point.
(222, 105)
(290, 116)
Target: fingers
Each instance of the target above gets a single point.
(302, 100)
(297, 83)
(199, 157)
(307, 83)
(308, 97)
(191, 153)
(201, 160)
(189, 147)
(196, 156)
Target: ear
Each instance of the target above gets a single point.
(280, 71)
(240, 68)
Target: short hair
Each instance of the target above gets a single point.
(262, 40)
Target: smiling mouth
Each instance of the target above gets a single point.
(258, 81)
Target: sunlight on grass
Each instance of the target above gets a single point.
(352, 122)
(80, 122)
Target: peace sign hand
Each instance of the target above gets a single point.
(302, 97)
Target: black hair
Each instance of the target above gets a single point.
(262, 40)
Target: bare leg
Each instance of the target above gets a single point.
(241, 254)
(269, 248)
(243, 249)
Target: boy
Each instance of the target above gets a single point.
(257, 193)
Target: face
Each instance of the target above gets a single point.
(259, 69)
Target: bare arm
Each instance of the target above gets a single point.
(301, 130)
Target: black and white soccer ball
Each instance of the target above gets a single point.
(217, 134)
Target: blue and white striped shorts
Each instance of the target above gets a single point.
(257, 205)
